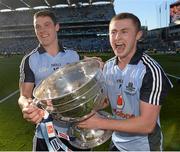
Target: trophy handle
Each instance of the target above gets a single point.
(42, 106)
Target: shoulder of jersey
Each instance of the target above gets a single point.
(30, 53)
(68, 49)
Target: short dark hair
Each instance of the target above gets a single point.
(131, 16)
(46, 13)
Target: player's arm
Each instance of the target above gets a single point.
(25, 94)
(149, 108)
(30, 112)
(26, 82)
(143, 124)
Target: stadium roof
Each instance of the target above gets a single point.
(16, 4)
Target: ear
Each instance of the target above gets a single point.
(57, 27)
(139, 35)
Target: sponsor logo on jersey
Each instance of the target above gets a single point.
(123, 115)
(55, 66)
(120, 105)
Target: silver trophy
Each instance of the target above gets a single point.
(77, 91)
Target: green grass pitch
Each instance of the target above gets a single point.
(16, 134)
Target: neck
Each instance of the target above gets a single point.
(122, 62)
(52, 49)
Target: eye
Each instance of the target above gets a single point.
(47, 24)
(124, 31)
(113, 32)
(37, 27)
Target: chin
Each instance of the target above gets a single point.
(119, 54)
(45, 43)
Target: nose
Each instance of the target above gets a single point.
(118, 35)
(40, 29)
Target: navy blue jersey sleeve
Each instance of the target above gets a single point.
(26, 74)
(155, 84)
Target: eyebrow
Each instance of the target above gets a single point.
(123, 29)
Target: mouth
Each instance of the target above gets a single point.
(44, 36)
(119, 45)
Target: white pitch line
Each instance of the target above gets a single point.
(173, 76)
(9, 96)
(12, 94)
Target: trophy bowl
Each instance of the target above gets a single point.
(76, 91)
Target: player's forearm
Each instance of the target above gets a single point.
(25, 94)
(132, 125)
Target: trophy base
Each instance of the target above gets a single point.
(89, 138)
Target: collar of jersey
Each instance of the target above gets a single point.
(135, 59)
(41, 49)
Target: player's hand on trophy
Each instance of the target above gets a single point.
(104, 104)
(49, 105)
(96, 58)
(94, 122)
(45, 104)
(30, 112)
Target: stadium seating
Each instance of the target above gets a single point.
(84, 28)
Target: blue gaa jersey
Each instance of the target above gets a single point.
(142, 80)
(38, 65)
